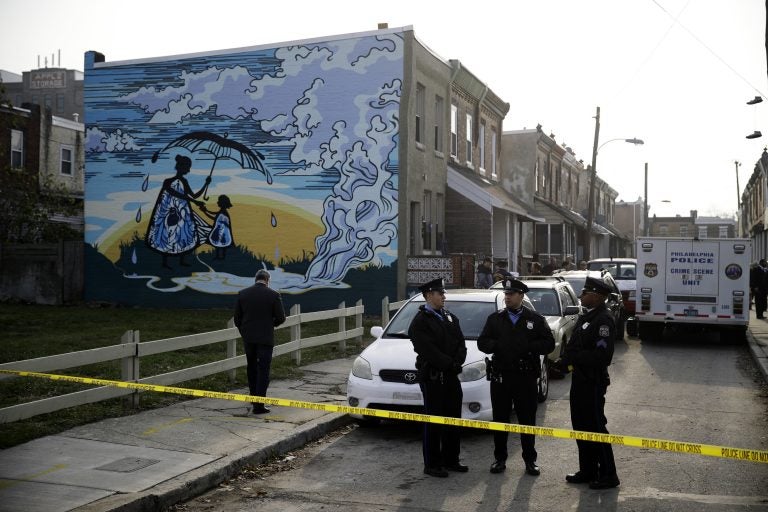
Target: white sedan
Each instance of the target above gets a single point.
(384, 375)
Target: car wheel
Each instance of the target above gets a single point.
(631, 326)
(543, 380)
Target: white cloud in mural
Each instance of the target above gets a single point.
(97, 140)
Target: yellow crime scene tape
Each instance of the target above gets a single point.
(561, 433)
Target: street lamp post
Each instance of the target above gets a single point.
(592, 179)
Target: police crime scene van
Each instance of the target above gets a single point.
(689, 282)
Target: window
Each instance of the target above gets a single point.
(663, 230)
(440, 213)
(723, 231)
(702, 231)
(683, 230)
(59, 103)
(426, 222)
(481, 145)
(493, 154)
(66, 160)
(17, 149)
(438, 123)
(469, 138)
(48, 101)
(454, 130)
(420, 92)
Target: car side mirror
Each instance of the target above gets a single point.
(572, 310)
(377, 331)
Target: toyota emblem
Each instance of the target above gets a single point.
(410, 377)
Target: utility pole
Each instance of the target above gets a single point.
(738, 196)
(592, 179)
(645, 201)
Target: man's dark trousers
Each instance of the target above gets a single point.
(259, 359)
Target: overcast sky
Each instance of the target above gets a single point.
(675, 73)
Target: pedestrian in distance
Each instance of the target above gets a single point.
(258, 311)
(501, 272)
(440, 352)
(516, 336)
(588, 354)
(758, 284)
(535, 268)
(484, 277)
(582, 265)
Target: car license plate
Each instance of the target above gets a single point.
(691, 312)
(406, 396)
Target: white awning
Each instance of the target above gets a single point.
(487, 196)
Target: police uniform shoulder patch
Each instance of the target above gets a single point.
(604, 331)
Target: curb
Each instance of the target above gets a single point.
(184, 487)
(759, 354)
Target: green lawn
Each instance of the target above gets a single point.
(30, 331)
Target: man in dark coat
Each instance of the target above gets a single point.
(258, 311)
(516, 336)
(440, 348)
(588, 354)
(758, 285)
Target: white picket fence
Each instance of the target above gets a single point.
(130, 351)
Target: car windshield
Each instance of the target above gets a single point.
(619, 270)
(471, 314)
(544, 301)
(577, 282)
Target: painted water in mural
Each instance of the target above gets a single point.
(202, 169)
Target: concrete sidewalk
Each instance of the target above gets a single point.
(157, 458)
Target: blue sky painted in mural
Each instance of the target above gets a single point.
(325, 115)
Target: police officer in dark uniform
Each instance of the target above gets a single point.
(516, 336)
(439, 344)
(588, 354)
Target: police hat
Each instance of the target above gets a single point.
(514, 286)
(436, 285)
(595, 285)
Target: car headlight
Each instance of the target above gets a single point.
(471, 372)
(362, 369)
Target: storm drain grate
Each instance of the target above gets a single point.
(127, 465)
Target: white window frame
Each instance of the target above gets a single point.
(17, 149)
(420, 95)
(469, 139)
(683, 230)
(63, 161)
(494, 173)
(722, 231)
(454, 130)
(481, 147)
(702, 232)
(439, 123)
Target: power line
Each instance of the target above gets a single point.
(710, 50)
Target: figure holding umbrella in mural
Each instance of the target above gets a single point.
(220, 236)
(163, 234)
(174, 229)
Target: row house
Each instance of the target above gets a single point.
(752, 215)
(50, 147)
(693, 225)
(548, 177)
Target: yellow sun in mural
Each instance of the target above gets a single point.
(273, 229)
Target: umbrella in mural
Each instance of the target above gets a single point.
(219, 147)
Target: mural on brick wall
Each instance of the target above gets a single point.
(202, 169)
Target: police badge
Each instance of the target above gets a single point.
(529, 324)
(651, 270)
(604, 331)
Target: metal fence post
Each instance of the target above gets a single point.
(296, 333)
(232, 351)
(342, 328)
(129, 367)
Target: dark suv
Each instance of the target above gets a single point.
(614, 301)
